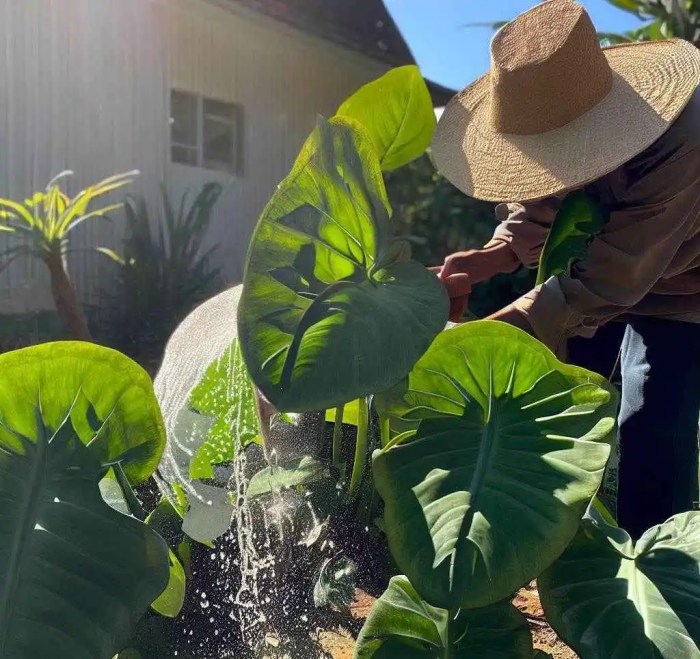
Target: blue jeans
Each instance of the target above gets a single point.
(660, 405)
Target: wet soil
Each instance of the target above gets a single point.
(341, 646)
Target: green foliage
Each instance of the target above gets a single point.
(164, 271)
(664, 19)
(401, 624)
(350, 413)
(297, 473)
(44, 222)
(41, 228)
(396, 111)
(436, 219)
(170, 602)
(324, 283)
(219, 418)
(607, 596)
(577, 221)
(24, 330)
(166, 521)
(434, 216)
(76, 574)
(510, 448)
(99, 388)
(226, 395)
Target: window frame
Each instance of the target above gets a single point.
(235, 167)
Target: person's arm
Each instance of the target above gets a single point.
(513, 316)
(659, 213)
(518, 239)
(462, 270)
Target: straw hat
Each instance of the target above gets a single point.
(557, 111)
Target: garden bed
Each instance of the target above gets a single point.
(341, 646)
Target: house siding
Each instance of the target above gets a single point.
(84, 85)
(73, 95)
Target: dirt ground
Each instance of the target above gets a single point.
(528, 601)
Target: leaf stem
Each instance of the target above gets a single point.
(450, 640)
(358, 467)
(338, 436)
(130, 497)
(384, 432)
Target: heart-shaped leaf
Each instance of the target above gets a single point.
(225, 394)
(609, 597)
(105, 392)
(397, 112)
(578, 220)
(274, 478)
(75, 574)
(510, 449)
(401, 624)
(331, 310)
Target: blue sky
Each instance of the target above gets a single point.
(453, 55)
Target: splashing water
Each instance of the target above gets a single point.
(244, 600)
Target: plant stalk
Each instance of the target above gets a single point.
(69, 309)
(130, 497)
(384, 432)
(358, 467)
(338, 436)
(451, 640)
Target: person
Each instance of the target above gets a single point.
(557, 113)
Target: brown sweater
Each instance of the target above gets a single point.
(647, 259)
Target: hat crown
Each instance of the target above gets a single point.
(547, 69)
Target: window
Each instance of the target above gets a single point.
(205, 132)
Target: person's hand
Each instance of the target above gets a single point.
(462, 270)
(458, 287)
(481, 264)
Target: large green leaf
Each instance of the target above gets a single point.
(208, 507)
(510, 449)
(171, 600)
(162, 520)
(104, 391)
(351, 413)
(608, 597)
(75, 574)
(296, 473)
(401, 624)
(577, 221)
(331, 310)
(225, 394)
(397, 112)
(166, 521)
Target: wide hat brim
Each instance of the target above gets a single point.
(652, 84)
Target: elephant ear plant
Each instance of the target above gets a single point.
(491, 451)
(75, 574)
(325, 284)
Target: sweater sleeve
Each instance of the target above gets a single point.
(525, 227)
(659, 212)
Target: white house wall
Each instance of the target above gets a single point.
(282, 79)
(84, 85)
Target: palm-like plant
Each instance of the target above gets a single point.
(165, 269)
(663, 19)
(41, 228)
